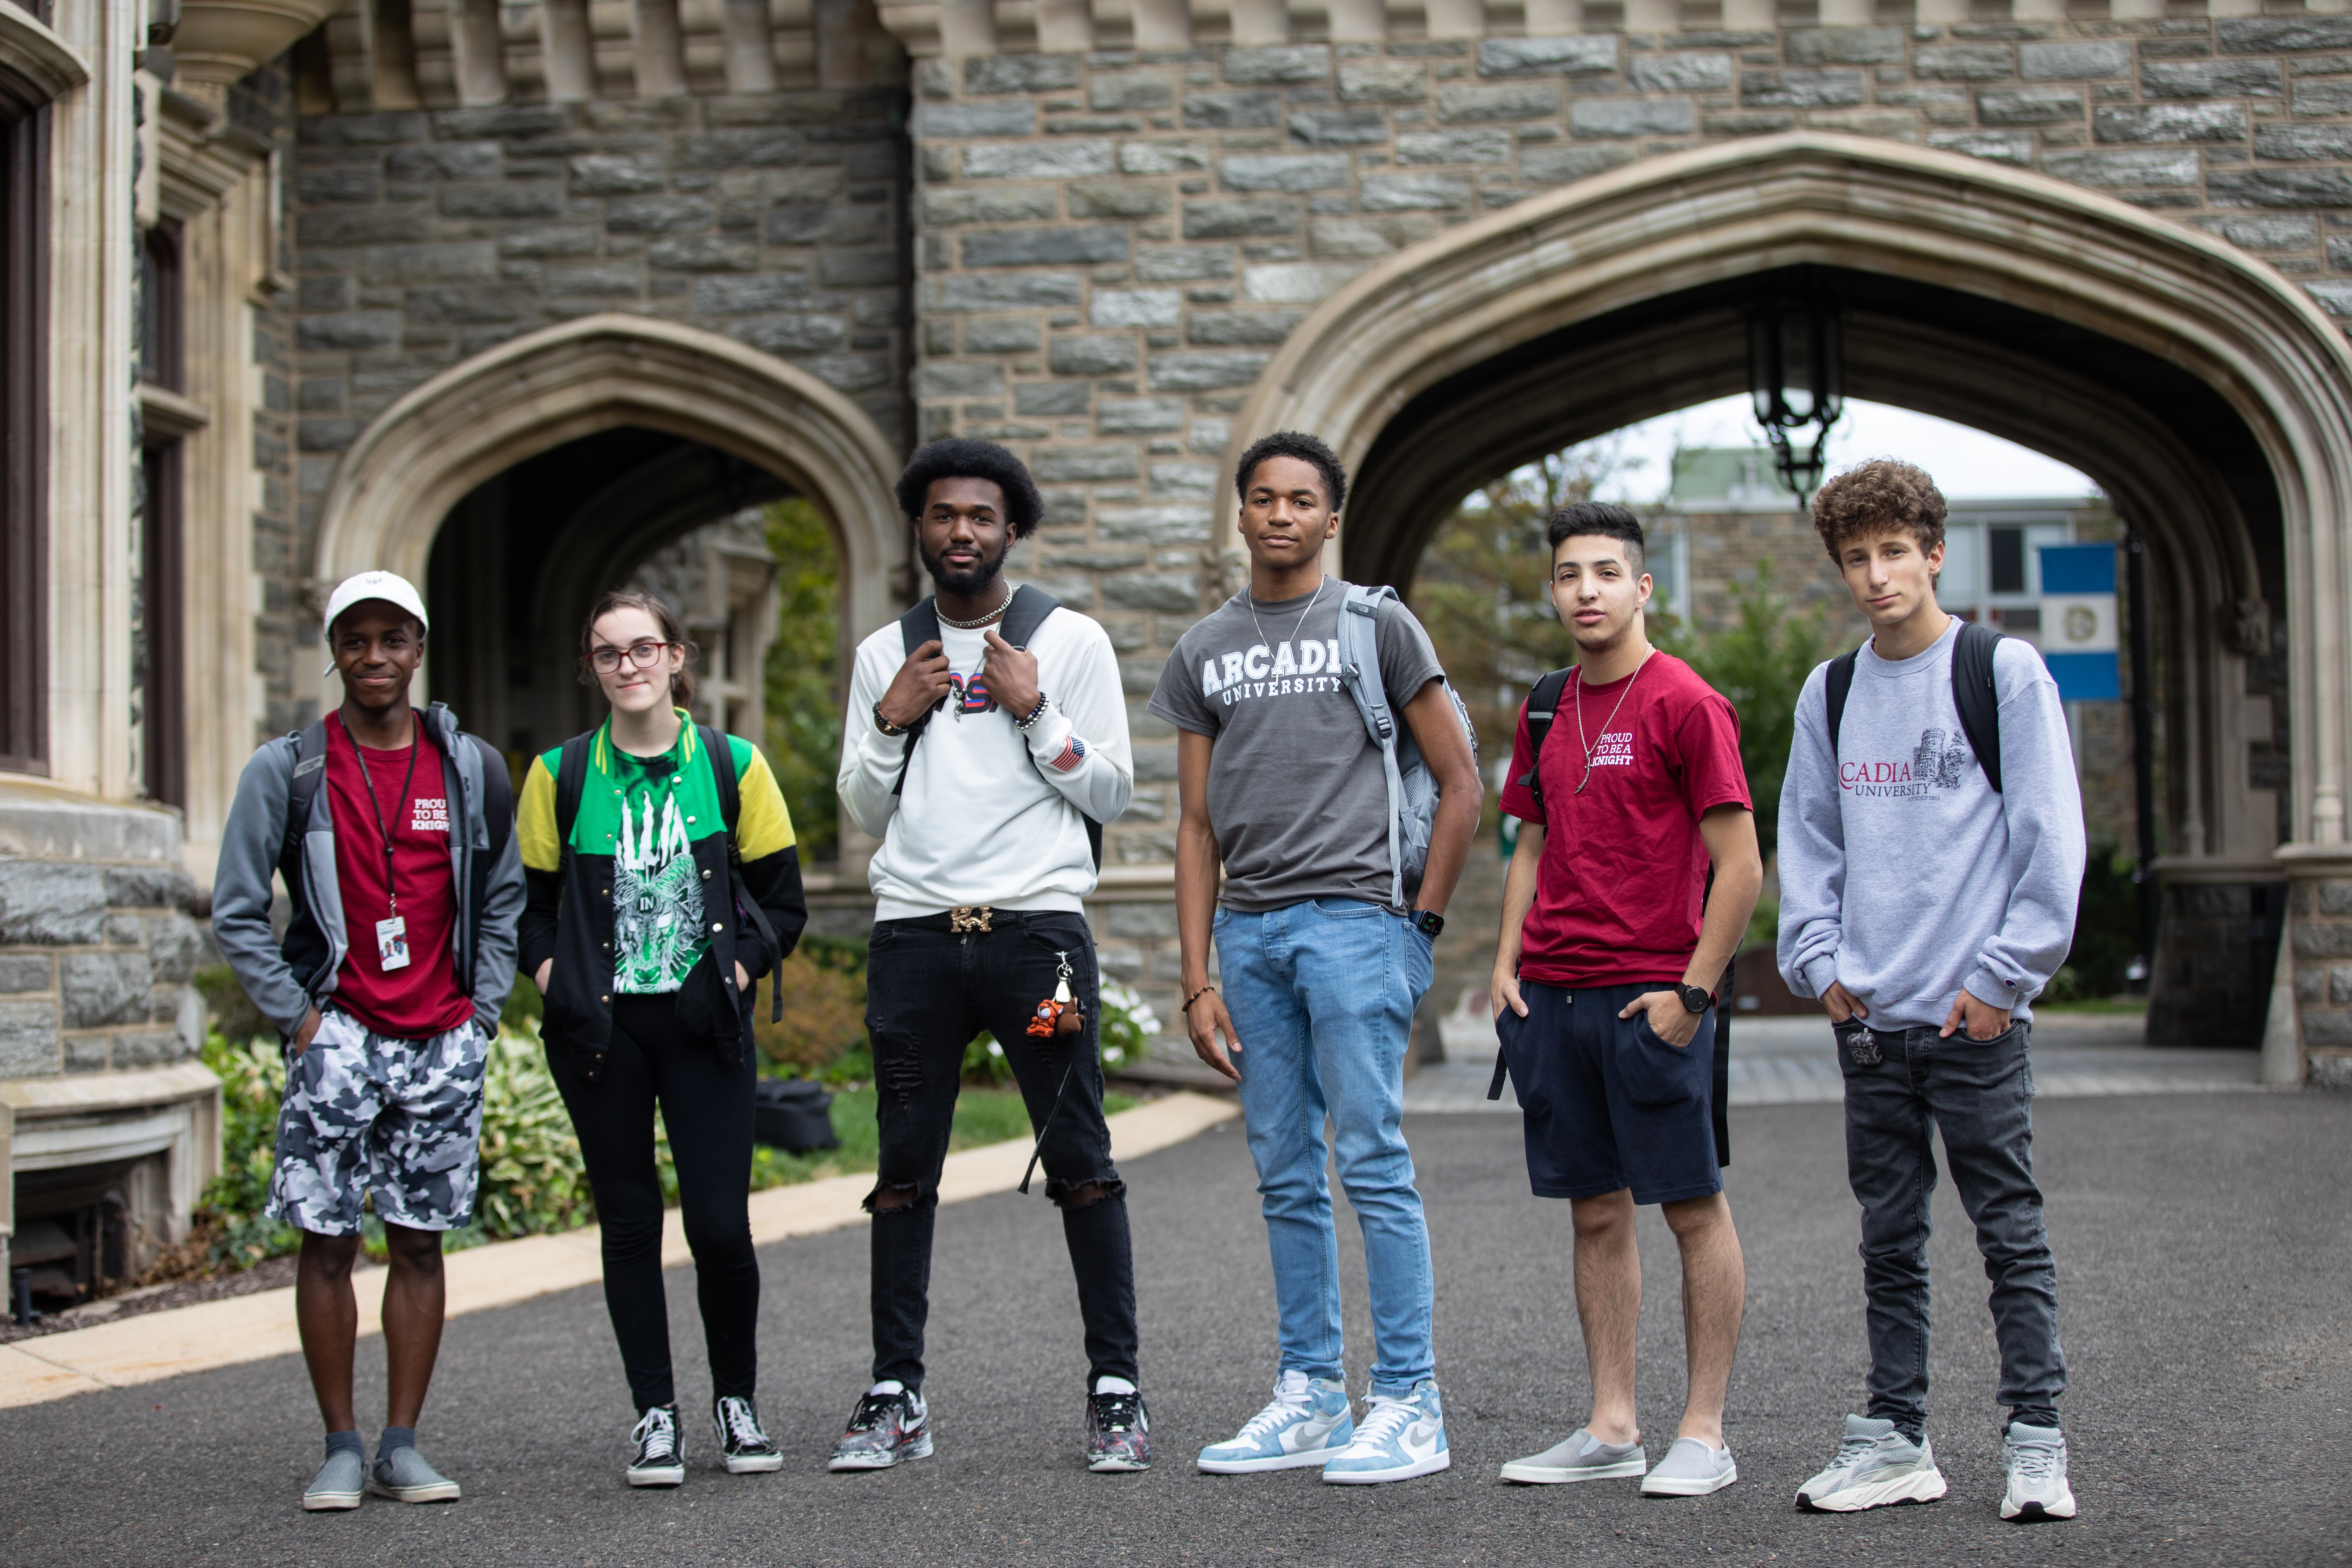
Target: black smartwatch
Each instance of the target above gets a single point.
(1695, 998)
(1427, 922)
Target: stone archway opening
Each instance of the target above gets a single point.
(2205, 394)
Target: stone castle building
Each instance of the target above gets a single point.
(511, 296)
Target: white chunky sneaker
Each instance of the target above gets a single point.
(2035, 1458)
(1403, 1435)
(1306, 1424)
(1876, 1464)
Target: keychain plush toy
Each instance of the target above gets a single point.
(1059, 1013)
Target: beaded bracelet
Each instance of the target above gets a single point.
(1035, 713)
(1187, 1008)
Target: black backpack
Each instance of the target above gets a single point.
(1972, 693)
(572, 777)
(1022, 617)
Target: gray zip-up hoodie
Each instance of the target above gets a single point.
(1904, 875)
(286, 981)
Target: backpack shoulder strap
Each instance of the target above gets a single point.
(917, 627)
(716, 747)
(309, 744)
(720, 752)
(1543, 705)
(1025, 614)
(1835, 687)
(1974, 695)
(1359, 658)
(571, 779)
(497, 797)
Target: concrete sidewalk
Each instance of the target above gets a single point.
(240, 1329)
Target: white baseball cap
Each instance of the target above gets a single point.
(390, 586)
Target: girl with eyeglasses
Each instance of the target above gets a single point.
(662, 883)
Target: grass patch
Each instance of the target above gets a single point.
(983, 1116)
(2098, 1007)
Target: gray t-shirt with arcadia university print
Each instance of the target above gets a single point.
(1297, 795)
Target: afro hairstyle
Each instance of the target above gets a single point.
(1307, 449)
(959, 458)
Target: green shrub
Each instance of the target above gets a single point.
(229, 1216)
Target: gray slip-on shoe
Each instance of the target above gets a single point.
(405, 1477)
(337, 1484)
(1690, 1469)
(1582, 1458)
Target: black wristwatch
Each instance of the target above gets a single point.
(1696, 999)
(1426, 921)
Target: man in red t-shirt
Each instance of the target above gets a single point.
(1610, 945)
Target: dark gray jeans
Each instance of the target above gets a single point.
(1980, 1093)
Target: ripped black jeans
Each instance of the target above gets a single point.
(930, 991)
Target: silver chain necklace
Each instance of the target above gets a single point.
(996, 614)
(1301, 627)
(1588, 750)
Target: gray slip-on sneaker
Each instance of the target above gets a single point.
(1582, 1458)
(1876, 1464)
(337, 1484)
(2035, 1458)
(1690, 1469)
(405, 1477)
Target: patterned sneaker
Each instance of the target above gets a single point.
(661, 1456)
(747, 1449)
(2035, 1458)
(405, 1477)
(1690, 1469)
(1403, 1435)
(1875, 1466)
(1583, 1458)
(1306, 1424)
(889, 1425)
(1118, 1429)
(339, 1483)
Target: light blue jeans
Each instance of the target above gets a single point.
(1322, 994)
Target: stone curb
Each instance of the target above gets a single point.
(254, 1328)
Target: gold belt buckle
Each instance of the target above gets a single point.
(966, 918)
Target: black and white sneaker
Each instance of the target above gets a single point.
(890, 1423)
(661, 1456)
(747, 1449)
(1118, 1429)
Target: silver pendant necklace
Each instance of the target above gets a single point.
(1302, 615)
(1581, 745)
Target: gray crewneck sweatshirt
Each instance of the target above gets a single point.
(1904, 875)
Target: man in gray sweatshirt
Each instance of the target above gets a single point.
(1930, 860)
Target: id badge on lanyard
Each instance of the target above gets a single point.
(391, 942)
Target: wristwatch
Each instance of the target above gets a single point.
(1427, 922)
(1695, 998)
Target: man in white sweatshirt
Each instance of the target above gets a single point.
(1931, 857)
(986, 768)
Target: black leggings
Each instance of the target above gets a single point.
(707, 1107)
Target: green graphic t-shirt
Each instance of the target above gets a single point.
(646, 813)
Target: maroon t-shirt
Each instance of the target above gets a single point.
(420, 999)
(1619, 892)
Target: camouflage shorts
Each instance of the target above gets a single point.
(366, 1112)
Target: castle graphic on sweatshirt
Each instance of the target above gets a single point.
(1940, 761)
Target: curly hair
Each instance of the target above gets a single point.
(681, 685)
(1604, 519)
(1307, 449)
(1879, 495)
(959, 457)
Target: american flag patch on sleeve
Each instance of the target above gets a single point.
(1073, 752)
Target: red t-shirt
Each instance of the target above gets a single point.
(1623, 877)
(420, 999)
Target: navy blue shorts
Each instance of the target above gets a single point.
(1606, 1103)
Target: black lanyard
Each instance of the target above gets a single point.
(391, 892)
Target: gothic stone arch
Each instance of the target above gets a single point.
(1686, 221)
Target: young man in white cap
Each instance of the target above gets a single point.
(395, 831)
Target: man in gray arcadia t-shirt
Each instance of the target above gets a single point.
(1282, 783)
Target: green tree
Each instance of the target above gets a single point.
(803, 673)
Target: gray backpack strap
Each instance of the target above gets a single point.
(1360, 668)
(309, 744)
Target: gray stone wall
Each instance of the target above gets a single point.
(97, 950)
(2321, 909)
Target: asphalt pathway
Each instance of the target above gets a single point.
(2205, 1255)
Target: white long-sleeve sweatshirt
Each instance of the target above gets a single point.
(1904, 875)
(990, 815)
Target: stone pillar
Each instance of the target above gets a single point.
(2310, 1036)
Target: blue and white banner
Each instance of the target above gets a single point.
(2079, 625)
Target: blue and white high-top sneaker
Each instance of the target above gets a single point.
(1306, 1424)
(1402, 1436)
